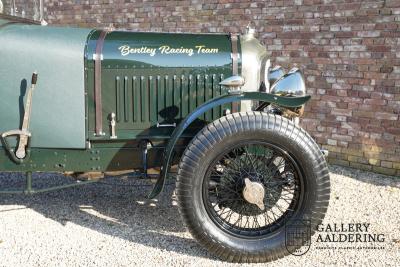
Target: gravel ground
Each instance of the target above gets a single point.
(113, 224)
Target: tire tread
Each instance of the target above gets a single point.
(214, 133)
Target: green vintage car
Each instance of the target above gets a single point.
(85, 102)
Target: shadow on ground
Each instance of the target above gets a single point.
(116, 207)
(366, 177)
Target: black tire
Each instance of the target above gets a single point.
(196, 189)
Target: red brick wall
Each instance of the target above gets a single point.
(349, 51)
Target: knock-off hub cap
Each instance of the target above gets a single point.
(254, 193)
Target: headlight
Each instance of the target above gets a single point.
(290, 84)
(271, 75)
(275, 74)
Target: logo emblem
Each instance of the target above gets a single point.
(298, 237)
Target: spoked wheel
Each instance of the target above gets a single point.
(244, 178)
(251, 188)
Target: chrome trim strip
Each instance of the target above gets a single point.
(235, 64)
(234, 41)
(97, 83)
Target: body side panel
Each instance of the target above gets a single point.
(146, 84)
(58, 104)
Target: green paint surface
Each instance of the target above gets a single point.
(151, 79)
(58, 105)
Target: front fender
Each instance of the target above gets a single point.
(212, 103)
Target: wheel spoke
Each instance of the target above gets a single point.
(262, 164)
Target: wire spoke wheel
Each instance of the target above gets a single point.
(247, 178)
(263, 165)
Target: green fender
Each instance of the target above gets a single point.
(212, 103)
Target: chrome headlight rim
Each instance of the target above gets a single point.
(290, 84)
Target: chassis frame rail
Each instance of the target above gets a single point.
(29, 190)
